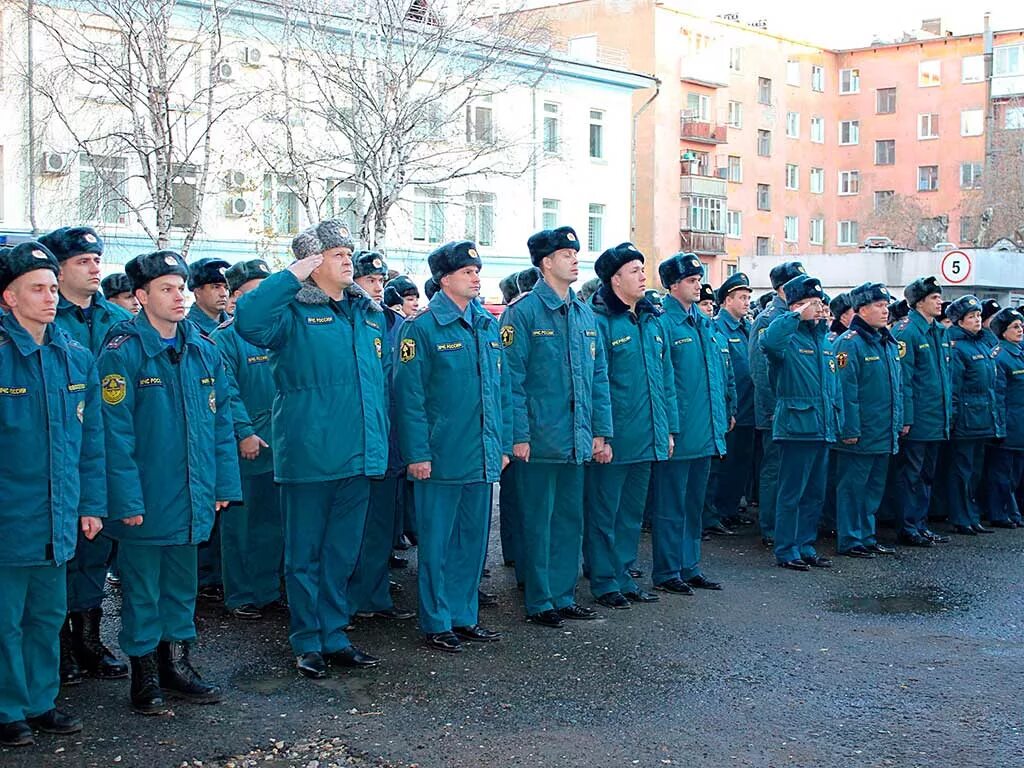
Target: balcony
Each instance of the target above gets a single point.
(702, 243)
(702, 131)
(692, 185)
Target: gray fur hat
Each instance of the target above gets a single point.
(328, 234)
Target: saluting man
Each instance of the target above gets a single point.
(561, 419)
(251, 537)
(455, 427)
(87, 317)
(645, 419)
(329, 359)
(51, 436)
(172, 463)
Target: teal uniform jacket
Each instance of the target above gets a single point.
(1010, 392)
(206, 324)
(452, 404)
(51, 438)
(871, 382)
(806, 406)
(730, 377)
(701, 382)
(736, 334)
(91, 333)
(973, 373)
(640, 378)
(331, 373)
(764, 387)
(251, 389)
(559, 376)
(927, 393)
(171, 451)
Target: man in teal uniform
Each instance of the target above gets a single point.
(1008, 456)
(561, 418)
(453, 409)
(645, 419)
(871, 395)
(701, 384)
(117, 289)
(806, 420)
(51, 436)
(251, 536)
(86, 316)
(927, 410)
(329, 359)
(172, 463)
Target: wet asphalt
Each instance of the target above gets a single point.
(912, 660)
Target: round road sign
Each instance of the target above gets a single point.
(956, 267)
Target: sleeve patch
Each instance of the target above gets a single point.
(903, 348)
(407, 350)
(114, 388)
(508, 335)
(842, 359)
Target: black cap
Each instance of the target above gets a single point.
(868, 293)
(802, 287)
(452, 257)
(368, 263)
(920, 289)
(613, 259)
(397, 288)
(547, 241)
(208, 271)
(707, 293)
(678, 267)
(988, 308)
(242, 272)
(840, 305)
(72, 241)
(1002, 320)
(115, 284)
(734, 282)
(783, 273)
(24, 258)
(960, 308)
(150, 266)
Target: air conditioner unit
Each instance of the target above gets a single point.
(235, 179)
(55, 163)
(252, 56)
(225, 72)
(237, 206)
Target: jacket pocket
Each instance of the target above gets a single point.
(976, 416)
(802, 418)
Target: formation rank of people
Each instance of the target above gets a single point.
(277, 445)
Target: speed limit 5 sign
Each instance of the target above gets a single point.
(956, 267)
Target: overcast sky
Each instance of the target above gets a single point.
(854, 23)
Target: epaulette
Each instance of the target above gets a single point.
(903, 323)
(996, 350)
(419, 313)
(118, 340)
(851, 333)
(5, 337)
(226, 324)
(520, 297)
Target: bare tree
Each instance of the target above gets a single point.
(998, 211)
(901, 218)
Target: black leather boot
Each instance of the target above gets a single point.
(92, 655)
(147, 698)
(179, 678)
(70, 672)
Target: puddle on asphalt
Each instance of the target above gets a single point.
(265, 684)
(919, 601)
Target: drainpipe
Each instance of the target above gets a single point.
(633, 161)
(990, 117)
(31, 132)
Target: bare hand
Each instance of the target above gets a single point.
(303, 268)
(671, 446)
(249, 448)
(905, 431)
(809, 311)
(521, 451)
(221, 505)
(732, 423)
(91, 526)
(597, 448)
(133, 521)
(504, 461)
(420, 470)
(851, 440)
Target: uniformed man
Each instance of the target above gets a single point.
(841, 308)
(429, 288)
(805, 420)
(562, 417)
(870, 376)
(1007, 460)
(707, 301)
(85, 315)
(252, 539)
(172, 463)
(927, 409)
(764, 396)
(989, 308)
(645, 420)
(897, 310)
(589, 288)
(701, 384)
(117, 289)
(455, 430)
(526, 279)
(510, 526)
(402, 295)
(328, 356)
(52, 475)
(976, 417)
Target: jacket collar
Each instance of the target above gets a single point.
(871, 334)
(446, 311)
(674, 309)
(311, 293)
(731, 322)
(837, 327)
(1012, 347)
(956, 333)
(152, 344)
(24, 342)
(551, 299)
(97, 302)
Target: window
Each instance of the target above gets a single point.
(595, 225)
(698, 107)
(480, 217)
(970, 175)
(764, 197)
(885, 101)
(848, 233)
(183, 195)
(849, 81)
(849, 182)
(885, 152)
(734, 224)
(969, 228)
(763, 246)
(735, 169)
(818, 180)
(818, 130)
(735, 59)
(972, 121)
(552, 134)
(929, 73)
(972, 69)
(790, 229)
(735, 114)
(764, 90)
(818, 79)
(1008, 60)
(343, 202)
(596, 134)
(764, 142)
(928, 126)
(280, 204)
(103, 184)
(816, 233)
(927, 178)
(428, 214)
(849, 131)
(792, 176)
(793, 73)
(793, 125)
(731, 269)
(706, 214)
(549, 213)
(479, 125)
(1013, 118)
(883, 198)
